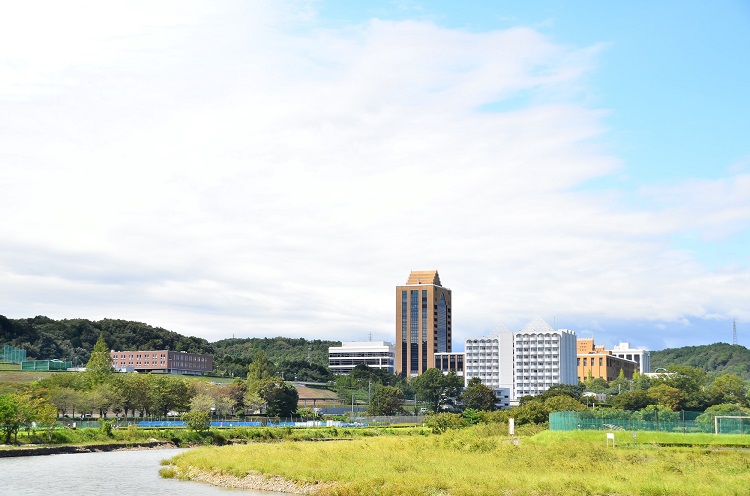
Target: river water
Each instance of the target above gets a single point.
(115, 472)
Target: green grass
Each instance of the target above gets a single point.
(481, 461)
(219, 437)
(626, 439)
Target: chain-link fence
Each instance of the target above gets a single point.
(647, 420)
(176, 422)
(13, 355)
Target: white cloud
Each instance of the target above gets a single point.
(249, 172)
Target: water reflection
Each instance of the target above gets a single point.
(119, 472)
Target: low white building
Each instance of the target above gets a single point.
(639, 355)
(375, 354)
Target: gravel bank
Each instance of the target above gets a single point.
(253, 481)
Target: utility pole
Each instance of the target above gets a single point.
(734, 332)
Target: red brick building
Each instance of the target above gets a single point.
(163, 361)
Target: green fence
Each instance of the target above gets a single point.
(46, 365)
(647, 420)
(13, 355)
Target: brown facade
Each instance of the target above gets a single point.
(163, 361)
(586, 345)
(450, 362)
(423, 322)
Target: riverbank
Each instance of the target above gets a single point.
(14, 451)
(478, 461)
(252, 481)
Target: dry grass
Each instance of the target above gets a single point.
(480, 461)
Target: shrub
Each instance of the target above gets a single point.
(197, 420)
(441, 422)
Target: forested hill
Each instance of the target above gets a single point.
(721, 358)
(73, 339)
(277, 349)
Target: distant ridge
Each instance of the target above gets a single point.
(719, 358)
(73, 339)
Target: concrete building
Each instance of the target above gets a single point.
(163, 361)
(450, 362)
(423, 322)
(598, 363)
(528, 362)
(375, 354)
(640, 356)
(543, 357)
(491, 360)
(604, 366)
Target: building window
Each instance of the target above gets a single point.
(442, 324)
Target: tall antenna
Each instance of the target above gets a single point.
(370, 335)
(734, 331)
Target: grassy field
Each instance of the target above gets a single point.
(482, 461)
(24, 376)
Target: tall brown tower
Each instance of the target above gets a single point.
(423, 322)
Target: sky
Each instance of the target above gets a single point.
(276, 168)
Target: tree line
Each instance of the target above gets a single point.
(73, 340)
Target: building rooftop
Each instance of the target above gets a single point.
(424, 277)
(538, 325)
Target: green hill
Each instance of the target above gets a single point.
(73, 339)
(719, 358)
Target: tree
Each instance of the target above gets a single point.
(62, 398)
(711, 412)
(563, 403)
(99, 366)
(46, 417)
(595, 385)
(387, 400)
(307, 413)
(620, 384)
(437, 389)
(236, 391)
(280, 397)
(197, 420)
(478, 396)
(261, 368)
(636, 399)
(667, 396)
(532, 412)
(572, 390)
(201, 403)
(10, 415)
(641, 381)
(169, 394)
(690, 381)
(728, 388)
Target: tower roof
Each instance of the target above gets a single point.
(538, 325)
(424, 277)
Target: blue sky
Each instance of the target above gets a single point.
(270, 168)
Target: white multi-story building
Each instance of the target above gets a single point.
(640, 356)
(491, 360)
(375, 354)
(543, 357)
